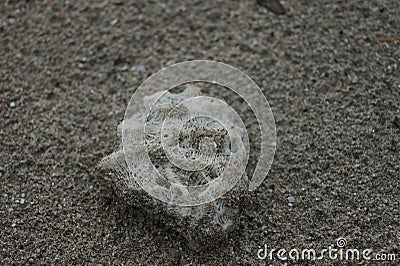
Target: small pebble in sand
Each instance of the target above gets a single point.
(290, 200)
(114, 22)
(141, 68)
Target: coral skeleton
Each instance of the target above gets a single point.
(202, 141)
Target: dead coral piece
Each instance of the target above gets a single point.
(200, 225)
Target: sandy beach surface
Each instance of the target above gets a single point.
(329, 69)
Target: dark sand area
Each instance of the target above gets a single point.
(329, 69)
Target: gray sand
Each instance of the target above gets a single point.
(330, 70)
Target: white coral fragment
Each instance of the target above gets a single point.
(202, 142)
